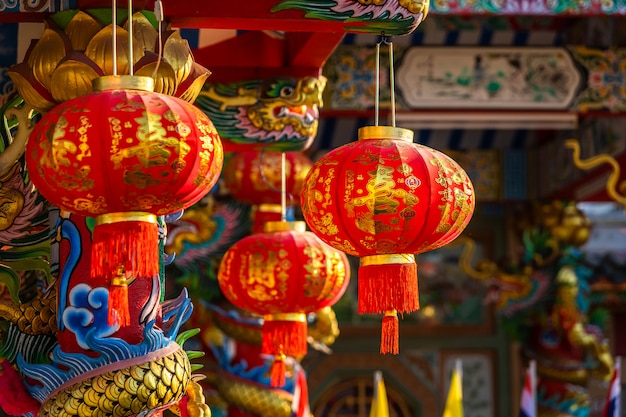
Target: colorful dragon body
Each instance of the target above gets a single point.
(239, 375)
(62, 358)
(67, 357)
(393, 17)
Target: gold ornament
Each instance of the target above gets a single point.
(36, 317)
(62, 64)
(614, 188)
(128, 391)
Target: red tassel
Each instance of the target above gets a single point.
(387, 282)
(127, 239)
(284, 336)
(118, 300)
(389, 336)
(278, 371)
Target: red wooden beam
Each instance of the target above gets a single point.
(311, 49)
(240, 15)
(258, 55)
(243, 15)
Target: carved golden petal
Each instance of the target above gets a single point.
(143, 32)
(176, 51)
(165, 80)
(46, 54)
(100, 50)
(81, 29)
(30, 94)
(72, 79)
(191, 93)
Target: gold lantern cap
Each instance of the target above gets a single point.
(385, 132)
(123, 82)
(284, 226)
(268, 208)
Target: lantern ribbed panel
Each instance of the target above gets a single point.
(124, 150)
(386, 216)
(283, 272)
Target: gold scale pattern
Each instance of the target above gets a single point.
(35, 317)
(253, 399)
(125, 392)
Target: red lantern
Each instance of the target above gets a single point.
(283, 274)
(124, 155)
(255, 177)
(385, 199)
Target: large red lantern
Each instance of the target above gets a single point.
(386, 199)
(283, 274)
(124, 155)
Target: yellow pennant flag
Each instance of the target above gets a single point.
(380, 407)
(454, 403)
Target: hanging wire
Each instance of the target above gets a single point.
(283, 189)
(158, 13)
(377, 92)
(283, 186)
(114, 37)
(386, 40)
(131, 68)
(392, 84)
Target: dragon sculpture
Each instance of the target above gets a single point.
(279, 113)
(543, 298)
(60, 355)
(393, 17)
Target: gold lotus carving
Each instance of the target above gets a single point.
(64, 61)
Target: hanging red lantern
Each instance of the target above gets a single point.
(386, 199)
(283, 274)
(255, 177)
(124, 155)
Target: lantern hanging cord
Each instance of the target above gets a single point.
(158, 14)
(114, 35)
(283, 186)
(283, 190)
(387, 40)
(131, 69)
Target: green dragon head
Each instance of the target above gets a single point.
(279, 113)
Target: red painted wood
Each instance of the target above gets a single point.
(257, 55)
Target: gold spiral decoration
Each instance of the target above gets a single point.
(484, 269)
(614, 188)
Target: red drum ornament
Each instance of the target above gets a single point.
(385, 199)
(124, 155)
(283, 274)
